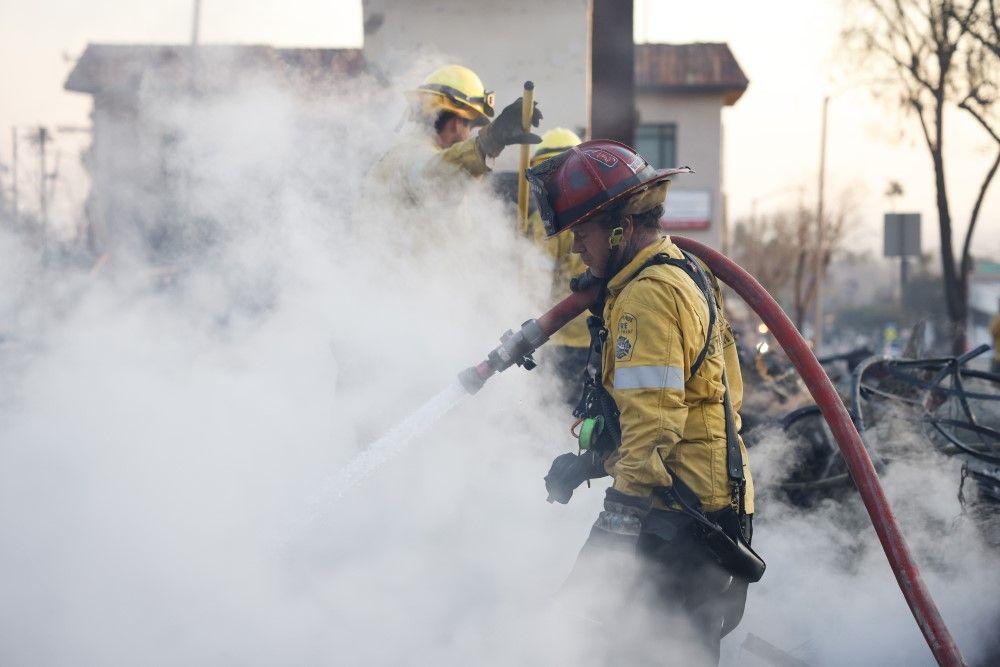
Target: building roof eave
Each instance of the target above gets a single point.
(122, 68)
(701, 67)
(730, 94)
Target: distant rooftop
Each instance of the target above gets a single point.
(125, 67)
(663, 68)
(689, 68)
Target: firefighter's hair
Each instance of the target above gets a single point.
(648, 219)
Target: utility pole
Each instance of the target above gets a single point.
(70, 129)
(193, 51)
(818, 267)
(754, 231)
(13, 175)
(611, 71)
(43, 177)
(195, 22)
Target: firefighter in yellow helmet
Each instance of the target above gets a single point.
(661, 417)
(569, 346)
(437, 143)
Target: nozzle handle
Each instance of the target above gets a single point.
(527, 107)
(527, 111)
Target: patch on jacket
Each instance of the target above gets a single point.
(628, 331)
(722, 339)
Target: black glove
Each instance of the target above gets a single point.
(569, 471)
(506, 130)
(583, 282)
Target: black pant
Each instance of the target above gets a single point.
(671, 603)
(689, 581)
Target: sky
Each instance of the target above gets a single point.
(788, 49)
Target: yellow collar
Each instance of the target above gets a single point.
(620, 279)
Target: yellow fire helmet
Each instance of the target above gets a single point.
(554, 141)
(457, 89)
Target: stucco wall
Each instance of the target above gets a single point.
(699, 146)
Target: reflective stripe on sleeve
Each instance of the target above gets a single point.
(649, 377)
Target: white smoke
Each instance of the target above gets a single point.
(163, 432)
(829, 597)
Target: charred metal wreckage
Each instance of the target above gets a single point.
(901, 407)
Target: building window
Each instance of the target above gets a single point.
(658, 144)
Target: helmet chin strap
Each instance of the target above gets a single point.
(613, 264)
(616, 251)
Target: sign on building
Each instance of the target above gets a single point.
(902, 235)
(687, 209)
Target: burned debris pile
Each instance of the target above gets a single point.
(902, 407)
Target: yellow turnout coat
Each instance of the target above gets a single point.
(657, 325)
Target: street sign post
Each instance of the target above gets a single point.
(901, 239)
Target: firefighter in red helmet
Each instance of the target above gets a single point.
(660, 415)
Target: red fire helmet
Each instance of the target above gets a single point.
(588, 179)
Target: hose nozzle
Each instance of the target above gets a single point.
(514, 348)
(472, 380)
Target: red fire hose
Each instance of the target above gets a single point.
(516, 348)
(859, 464)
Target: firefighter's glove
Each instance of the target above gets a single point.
(569, 471)
(583, 282)
(506, 130)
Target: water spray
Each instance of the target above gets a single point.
(514, 349)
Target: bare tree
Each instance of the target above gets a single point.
(835, 227)
(779, 250)
(939, 55)
(766, 245)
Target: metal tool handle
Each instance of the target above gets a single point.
(527, 109)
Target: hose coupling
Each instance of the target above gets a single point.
(517, 348)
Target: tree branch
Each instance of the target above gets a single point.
(986, 43)
(905, 67)
(915, 46)
(974, 217)
(980, 118)
(923, 125)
